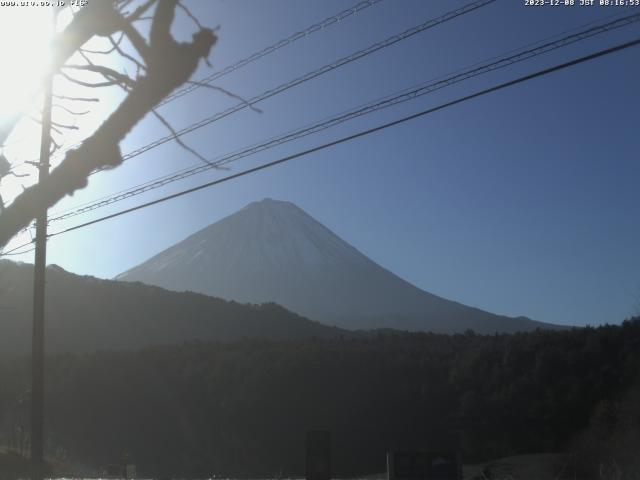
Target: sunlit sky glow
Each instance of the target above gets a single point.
(520, 203)
(25, 34)
(24, 54)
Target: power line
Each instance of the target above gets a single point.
(14, 251)
(272, 48)
(309, 76)
(406, 95)
(525, 78)
(17, 253)
(315, 73)
(316, 27)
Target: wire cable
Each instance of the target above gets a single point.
(316, 27)
(19, 253)
(271, 48)
(302, 34)
(14, 251)
(315, 73)
(519, 80)
(307, 77)
(405, 96)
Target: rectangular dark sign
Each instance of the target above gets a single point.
(318, 464)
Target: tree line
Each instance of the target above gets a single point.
(243, 408)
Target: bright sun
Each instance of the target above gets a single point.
(24, 55)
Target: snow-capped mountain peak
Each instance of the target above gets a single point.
(273, 251)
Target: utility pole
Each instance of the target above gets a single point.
(37, 343)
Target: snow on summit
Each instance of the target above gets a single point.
(273, 251)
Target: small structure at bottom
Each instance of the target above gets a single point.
(405, 465)
(124, 470)
(318, 459)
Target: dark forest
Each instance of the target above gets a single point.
(243, 408)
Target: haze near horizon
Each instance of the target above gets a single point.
(519, 203)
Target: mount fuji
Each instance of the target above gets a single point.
(272, 251)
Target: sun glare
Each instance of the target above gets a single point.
(24, 55)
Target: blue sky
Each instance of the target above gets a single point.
(522, 202)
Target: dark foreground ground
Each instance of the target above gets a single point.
(242, 409)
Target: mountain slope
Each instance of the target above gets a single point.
(85, 314)
(273, 251)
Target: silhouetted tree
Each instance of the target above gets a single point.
(242, 408)
(165, 65)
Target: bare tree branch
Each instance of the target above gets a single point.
(64, 126)
(143, 19)
(5, 169)
(14, 174)
(108, 73)
(57, 130)
(117, 48)
(96, 18)
(137, 40)
(226, 92)
(122, 4)
(176, 137)
(55, 124)
(114, 44)
(76, 99)
(54, 146)
(169, 65)
(69, 111)
(109, 83)
(141, 10)
(190, 15)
